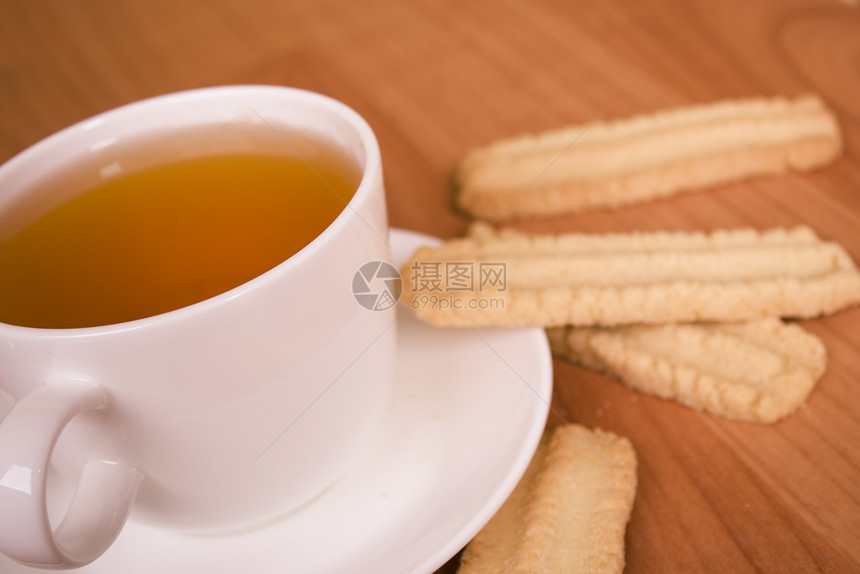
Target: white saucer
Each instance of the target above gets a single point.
(465, 417)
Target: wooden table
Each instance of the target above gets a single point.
(435, 78)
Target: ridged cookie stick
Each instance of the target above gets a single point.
(512, 279)
(612, 164)
(567, 514)
(759, 371)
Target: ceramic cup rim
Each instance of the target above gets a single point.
(370, 174)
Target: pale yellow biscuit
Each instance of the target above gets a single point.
(612, 164)
(627, 278)
(567, 514)
(759, 371)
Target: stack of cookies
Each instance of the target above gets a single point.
(694, 317)
(687, 316)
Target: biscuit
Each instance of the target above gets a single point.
(758, 371)
(611, 164)
(625, 278)
(567, 514)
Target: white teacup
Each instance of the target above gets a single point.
(216, 416)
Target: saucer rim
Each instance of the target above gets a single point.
(521, 460)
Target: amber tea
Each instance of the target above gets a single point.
(164, 237)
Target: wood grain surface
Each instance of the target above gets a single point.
(436, 78)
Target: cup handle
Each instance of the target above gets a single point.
(101, 502)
